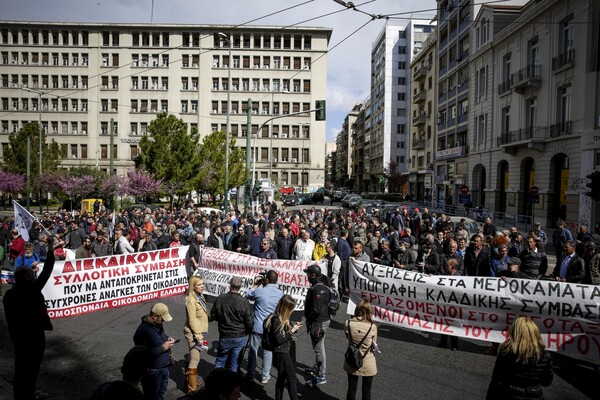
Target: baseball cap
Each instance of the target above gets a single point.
(514, 261)
(313, 269)
(162, 310)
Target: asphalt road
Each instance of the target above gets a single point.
(83, 352)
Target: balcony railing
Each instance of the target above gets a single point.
(418, 144)
(504, 87)
(420, 72)
(564, 60)
(420, 119)
(531, 75)
(535, 134)
(419, 97)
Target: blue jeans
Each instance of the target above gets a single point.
(230, 348)
(155, 383)
(255, 339)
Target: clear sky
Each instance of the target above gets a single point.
(348, 74)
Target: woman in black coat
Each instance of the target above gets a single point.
(280, 336)
(523, 365)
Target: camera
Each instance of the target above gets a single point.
(261, 278)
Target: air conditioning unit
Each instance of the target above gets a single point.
(84, 132)
(274, 160)
(284, 135)
(285, 67)
(294, 160)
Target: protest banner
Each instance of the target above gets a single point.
(568, 315)
(82, 286)
(217, 267)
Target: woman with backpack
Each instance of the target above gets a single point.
(361, 333)
(279, 333)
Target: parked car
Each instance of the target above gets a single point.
(306, 198)
(291, 200)
(318, 196)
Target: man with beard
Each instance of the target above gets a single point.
(405, 259)
(100, 247)
(84, 251)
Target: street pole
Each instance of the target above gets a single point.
(248, 130)
(271, 141)
(40, 155)
(112, 156)
(27, 200)
(224, 37)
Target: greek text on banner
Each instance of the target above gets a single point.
(568, 315)
(82, 286)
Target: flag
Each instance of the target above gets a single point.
(23, 221)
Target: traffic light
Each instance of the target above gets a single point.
(594, 185)
(255, 191)
(320, 107)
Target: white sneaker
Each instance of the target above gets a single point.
(265, 379)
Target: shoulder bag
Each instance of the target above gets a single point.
(353, 356)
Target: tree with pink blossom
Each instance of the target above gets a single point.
(11, 182)
(140, 183)
(77, 186)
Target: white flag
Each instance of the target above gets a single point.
(23, 221)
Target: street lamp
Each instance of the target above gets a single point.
(40, 141)
(225, 38)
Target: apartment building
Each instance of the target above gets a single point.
(78, 77)
(535, 109)
(423, 128)
(452, 114)
(387, 141)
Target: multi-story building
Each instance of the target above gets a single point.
(386, 142)
(330, 161)
(77, 77)
(530, 129)
(452, 114)
(344, 148)
(423, 128)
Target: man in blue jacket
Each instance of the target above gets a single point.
(151, 335)
(266, 295)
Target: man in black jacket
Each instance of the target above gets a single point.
(570, 267)
(477, 258)
(151, 334)
(27, 320)
(234, 315)
(316, 311)
(285, 244)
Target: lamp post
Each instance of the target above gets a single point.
(40, 156)
(225, 38)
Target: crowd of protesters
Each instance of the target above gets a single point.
(416, 239)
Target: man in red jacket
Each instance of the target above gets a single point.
(16, 248)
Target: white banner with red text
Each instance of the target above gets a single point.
(82, 286)
(217, 267)
(568, 315)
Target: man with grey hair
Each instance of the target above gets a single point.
(234, 316)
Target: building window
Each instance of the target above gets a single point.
(533, 52)
(402, 50)
(505, 127)
(531, 115)
(564, 109)
(103, 151)
(481, 82)
(480, 135)
(566, 37)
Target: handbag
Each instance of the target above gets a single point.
(353, 357)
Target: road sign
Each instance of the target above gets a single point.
(464, 189)
(534, 190)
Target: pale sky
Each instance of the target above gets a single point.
(348, 75)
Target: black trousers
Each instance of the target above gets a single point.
(367, 381)
(29, 353)
(285, 372)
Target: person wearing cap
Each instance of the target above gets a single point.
(514, 269)
(151, 334)
(316, 311)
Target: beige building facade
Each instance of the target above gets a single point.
(536, 110)
(77, 77)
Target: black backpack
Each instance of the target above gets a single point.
(334, 299)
